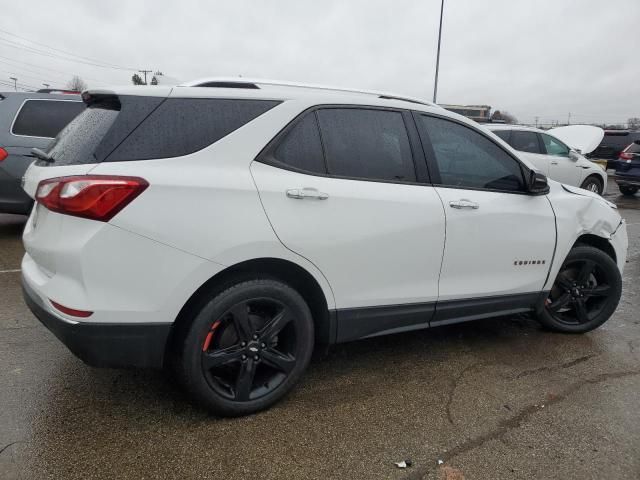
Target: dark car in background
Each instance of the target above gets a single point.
(28, 120)
(613, 143)
(628, 169)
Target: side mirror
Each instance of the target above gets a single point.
(538, 184)
(574, 155)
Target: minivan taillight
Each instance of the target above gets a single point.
(97, 197)
(3, 154)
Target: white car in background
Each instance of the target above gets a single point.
(558, 152)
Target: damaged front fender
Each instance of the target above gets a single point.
(580, 212)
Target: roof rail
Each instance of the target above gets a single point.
(254, 83)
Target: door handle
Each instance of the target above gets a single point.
(554, 162)
(302, 193)
(464, 203)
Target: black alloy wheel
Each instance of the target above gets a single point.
(247, 347)
(250, 350)
(586, 292)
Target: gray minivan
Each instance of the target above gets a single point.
(28, 120)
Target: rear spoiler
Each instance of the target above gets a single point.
(107, 97)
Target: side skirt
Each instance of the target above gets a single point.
(365, 322)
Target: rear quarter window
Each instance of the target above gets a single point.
(180, 126)
(45, 118)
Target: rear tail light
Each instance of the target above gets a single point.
(625, 156)
(3, 154)
(97, 197)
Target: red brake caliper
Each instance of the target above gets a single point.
(207, 341)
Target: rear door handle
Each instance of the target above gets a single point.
(464, 203)
(554, 162)
(302, 193)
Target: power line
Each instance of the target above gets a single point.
(62, 51)
(44, 53)
(19, 62)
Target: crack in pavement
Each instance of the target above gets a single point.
(456, 381)
(553, 368)
(9, 445)
(505, 426)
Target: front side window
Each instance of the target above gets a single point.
(366, 143)
(525, 141)
(554, 146)
(301, 147)
(45, 118)
(467, 159)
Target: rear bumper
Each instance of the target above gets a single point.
(104, 344)
(631, 180)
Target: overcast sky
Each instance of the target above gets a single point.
(542, 58)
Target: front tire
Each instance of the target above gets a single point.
(628, 190)
(247, 347)
(593, 184)
(585, 294)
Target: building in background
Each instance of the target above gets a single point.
(479, 113)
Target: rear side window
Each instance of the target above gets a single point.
(553, 146)
(467, 159)
(45, 118)
(366, 143)
(180, 126)
(301, 147)
(503, 134)
(525, 141)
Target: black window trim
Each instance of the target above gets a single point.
(417, 155)
(433, 165)
(15, 117)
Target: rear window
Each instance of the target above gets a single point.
(45, 118)
(180, 126)
(633, 148)
(77, 143)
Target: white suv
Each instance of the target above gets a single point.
(552, 156)
(227, 227)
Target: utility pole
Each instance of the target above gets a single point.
(46, 85)
(15, 83)
(537, 121)
(145, 74)
(569, 119)
(435, 83)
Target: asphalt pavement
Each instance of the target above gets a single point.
(499, 398)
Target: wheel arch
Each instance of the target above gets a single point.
(595, 241)
(285, 271)
(599, 175)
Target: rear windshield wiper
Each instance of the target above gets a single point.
(44, 156)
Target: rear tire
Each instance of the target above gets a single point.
(593, 184)
(628, 189)
(585, 294)
(247, 347)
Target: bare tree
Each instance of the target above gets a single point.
(634, 123)
(502, 115)
(77, 84)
